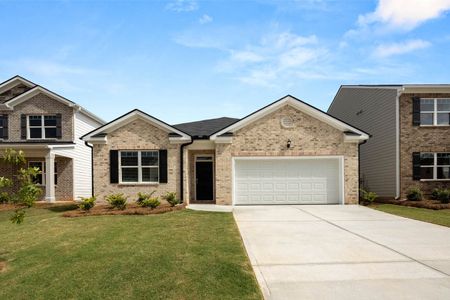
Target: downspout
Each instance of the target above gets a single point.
(359, 165)
(92, 167)
(182, 169)
(397, 143)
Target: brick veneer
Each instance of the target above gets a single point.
(136, 135)
(419, 139)
(266, 137)
(40, 104)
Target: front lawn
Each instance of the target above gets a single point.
(177, 255)
(440, 217)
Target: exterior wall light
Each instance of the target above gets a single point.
(288, 143)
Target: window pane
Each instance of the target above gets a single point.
(50, 133)
(426, 172)
(443, 118)
(426, 159)
(443, 104)
(1, 121)
(129, 174)
(38, 178)
(443, 172)
(426, 119)
(35, 133)
(150, 174)
(443, 158)
(149, 158)
(426, 104)
(50, 120)
(56, 175)
(129, 158)
(35, 120)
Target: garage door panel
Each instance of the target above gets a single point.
(287, 181)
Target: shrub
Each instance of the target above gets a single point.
(118, 201)
(368, 197)
(151, 202)
(414, 194)
(87, 203)
(4, 197)
(444, 196)
(143, 196)
(171, 197)
(435, 194)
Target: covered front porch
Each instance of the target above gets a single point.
(56, 178)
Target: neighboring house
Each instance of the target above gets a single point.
(47, 127)
(410, 142)
(285, 153)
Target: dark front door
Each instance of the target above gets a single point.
(204, 180)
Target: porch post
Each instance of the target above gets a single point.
(50, 177)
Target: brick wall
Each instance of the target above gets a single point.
(136, 135)
(266, 137)
(419, 139)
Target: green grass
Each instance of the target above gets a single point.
(178, 255)
(440, 217)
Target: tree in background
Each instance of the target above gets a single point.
(28, 191)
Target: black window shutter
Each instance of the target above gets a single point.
(416, 111)
(4, 134)
(23, 127)
(58, 126)
(113, 166)
(416, 165)
(162, 166)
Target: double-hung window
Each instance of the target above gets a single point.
(42, 127)
(40, 178)
(139, 166)
(434, 112)
(434, 166)
(3, 127)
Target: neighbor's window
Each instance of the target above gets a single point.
(42, 127)
(139, 166)
(435, 166)
(40, 178)
(3, 124)
(435, 111)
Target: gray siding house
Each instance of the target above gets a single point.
(410, 135)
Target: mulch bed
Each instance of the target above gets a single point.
(430, 204)
(2, 266)
(132, 209)
(39, 204)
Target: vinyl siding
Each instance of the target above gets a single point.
(378, 155)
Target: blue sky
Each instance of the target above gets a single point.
(189, 60)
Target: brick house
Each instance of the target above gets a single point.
(410, 128)
(285, 153)
(47, 127)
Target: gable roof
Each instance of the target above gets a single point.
(205, 128)
(35, 90)
(298, 104)
(100, 134)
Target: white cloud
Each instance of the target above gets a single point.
(205, 19)
(246, 56)
(387, 50)
(182, 5)
(405, 14)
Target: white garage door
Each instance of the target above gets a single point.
(287, 181)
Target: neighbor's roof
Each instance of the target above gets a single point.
(205, 127)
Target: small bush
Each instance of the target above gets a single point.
(4, 197)
(435, 194)
(444, 196)
(87, 203)
(368, 197)
(414, 194)
(171, 197)
(118, 201)
(143, 196)
(151, 202)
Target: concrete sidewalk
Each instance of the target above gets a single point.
(344, 252)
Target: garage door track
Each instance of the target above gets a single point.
(344, 252)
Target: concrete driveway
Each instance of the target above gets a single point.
(344, 252)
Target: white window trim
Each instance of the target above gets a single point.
(139, 166)
(43, 173)
(434, 112)
(434, 166)
(43, 137)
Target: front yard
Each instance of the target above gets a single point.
(177, 255)
(440, 217)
